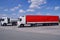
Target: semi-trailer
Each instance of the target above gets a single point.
(37, 20)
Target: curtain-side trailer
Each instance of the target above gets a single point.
(38, 20)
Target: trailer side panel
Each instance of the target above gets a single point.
(41, 18)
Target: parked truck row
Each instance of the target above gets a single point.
(31, 20)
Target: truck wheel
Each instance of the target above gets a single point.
(46, 24)
(4, 24)
(32, 25)
(55, 24)
(22, 25)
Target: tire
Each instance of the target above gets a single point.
(45, 24)
(32, 25)
(22, 25)
(55, 24)
(4, 24)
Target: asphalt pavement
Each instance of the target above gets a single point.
(30, 33)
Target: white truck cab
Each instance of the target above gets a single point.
(21, 21)
(5, 21)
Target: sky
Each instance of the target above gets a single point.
(16, 8)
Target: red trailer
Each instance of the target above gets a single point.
(37, 20)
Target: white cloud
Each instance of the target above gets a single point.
(29, 14)
(57, 8)
(3, 15)
(13, 14)
(37, 3)
(39, 13)
(5, 9)
(15, 8)
(21, 11)
(48, 14)
(19, 5)
(12, 9)
(49, 7)
(53, 8)
(30, 10)
(29, 1)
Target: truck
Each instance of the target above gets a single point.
(5, 21)
(37, 20)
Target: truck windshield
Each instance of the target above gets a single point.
(1, 19)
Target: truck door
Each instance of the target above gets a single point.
(8, 20)
(22, 20)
